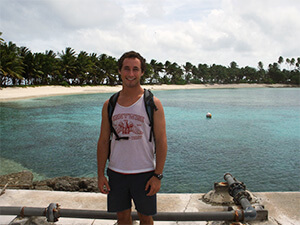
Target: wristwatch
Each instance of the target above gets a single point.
(158, 176)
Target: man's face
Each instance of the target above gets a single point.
(131, 72)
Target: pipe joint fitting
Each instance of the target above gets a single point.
(52, 212)
(236, 187)
(250, 213)
(242, 194)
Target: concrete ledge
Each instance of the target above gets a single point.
(283, 207)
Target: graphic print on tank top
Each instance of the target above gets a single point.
(131, 121)
(128, 124)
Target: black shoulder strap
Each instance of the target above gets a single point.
(111, 107)
(150, 107)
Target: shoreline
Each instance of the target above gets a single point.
(24, 180)
(19, 93)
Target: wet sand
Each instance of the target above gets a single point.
(17, 93)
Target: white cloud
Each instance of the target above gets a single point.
(78, 14)
(198, 31)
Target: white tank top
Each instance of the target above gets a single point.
(135, 155)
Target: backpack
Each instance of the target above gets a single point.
(149, 105)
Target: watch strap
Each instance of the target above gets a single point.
(158, 176)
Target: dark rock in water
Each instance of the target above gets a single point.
(68, 184)
(89, 184)
(24, 180)
(21, 180)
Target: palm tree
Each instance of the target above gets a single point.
(68, 65)
(293, 61)
(219, 74)
(11, 64)
(275, 74)
(261, 72)
(1, 39)
(50, 68)
(234, 75)
(158, 68)
(202, 73)
(287, 62)
(188, 71)
(38, 63)
(148, 74)
(96, 75)
(33, 64)
(175, 72)
(298, 63)
(83, 68)
(260, 65)
(280, 60)
(108, 68)
(250, 74)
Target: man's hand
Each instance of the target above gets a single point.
(103, 184)
(154, 185)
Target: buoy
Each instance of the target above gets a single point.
(208, 115)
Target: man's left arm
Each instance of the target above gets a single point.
(161, 146)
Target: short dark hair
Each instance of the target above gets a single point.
(132, 54)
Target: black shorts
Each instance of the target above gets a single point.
(124, 187)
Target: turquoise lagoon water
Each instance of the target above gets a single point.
(253, 134)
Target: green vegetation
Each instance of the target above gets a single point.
(19, 66)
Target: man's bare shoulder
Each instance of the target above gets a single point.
(104, 108)
(157, 102)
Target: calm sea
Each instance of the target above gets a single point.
(254, 134)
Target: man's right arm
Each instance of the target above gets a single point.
(103, 150)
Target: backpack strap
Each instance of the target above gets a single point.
(150, 107)
(111, 107)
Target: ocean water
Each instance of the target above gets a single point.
(254, 134)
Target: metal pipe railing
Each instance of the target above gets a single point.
(55, 213)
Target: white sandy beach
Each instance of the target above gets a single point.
(16, 93)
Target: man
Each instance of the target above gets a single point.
(135, 164)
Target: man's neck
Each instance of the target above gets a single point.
(128, 96)
(132, 92)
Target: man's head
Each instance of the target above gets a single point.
(132, 54)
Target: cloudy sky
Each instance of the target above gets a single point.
(196, 31)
